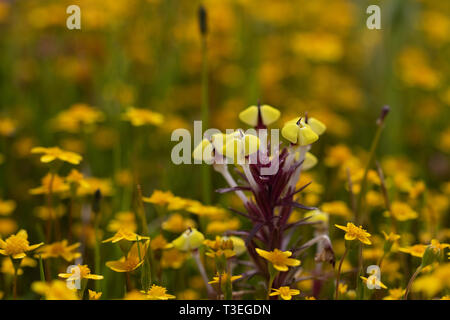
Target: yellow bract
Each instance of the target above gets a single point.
(299, 133)
(268, 115)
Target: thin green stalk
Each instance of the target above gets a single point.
(414, 276)
(362, 193)
(338, 276)
(206, 170)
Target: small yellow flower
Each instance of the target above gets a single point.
(372, 280)
(401, 211)
(141, 117)
(285, 293)
(123, 220)
(220, 247)
(81, 272)
(353, 232)
(176, 223)
(158, 293)
(337, 208)
(7, 207)
(392, 237)
(223, 278)
(133, 260)
(76, 178)
(8, 267)
(17, 245)
(55, 290)
(94, 295)
(395, 294)
(59, 249)
(160, 243)
(279, 259)
(416, 250)
(125, 234)
(159, 197)
(173, 258)
(54, 183)
(55, 153)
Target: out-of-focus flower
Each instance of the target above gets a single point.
(279, 259)
(395, 294)
(17, 245)
(416, 250)
(285, 293)
(53, 183)
(141, 117)
(401, 211)
(93, 295)
(59, 249)
(337, 208)
(80, 272)
(172, 258)
(125, 234)
(8, 267)
(177, 223)
(158, 293)
(77, 117)
(159, 197)
(55, 153)
(353, 232)
(7, 127)
(123, 220)
(7, 207)
(55, 290)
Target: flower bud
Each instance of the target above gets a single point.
(189, 240)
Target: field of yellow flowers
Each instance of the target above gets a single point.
(350, 202)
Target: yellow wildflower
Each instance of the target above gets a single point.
(285, 293)
(55, 153)
(223, 278)
(141, 117)
(395, 294)
(338, 208)
(17, 245)
(7, 207)
(125, 220)
(55, 290)
(94, 295)
(279, 259)
(401, 211)
(56, 184)
(353, 232)
(416, 250)
(80, 272)
(59, 249)
(133, 260)
(177, 223)
(373, 281)
(158, 293)
(125, 234)
(172, 258)
(159, 197)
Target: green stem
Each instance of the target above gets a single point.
(206, 170)
(362, 192)
(408, 288)
(338, 276)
